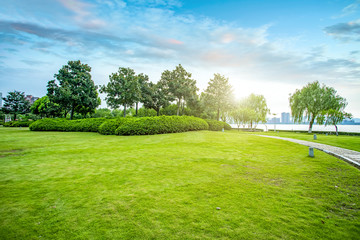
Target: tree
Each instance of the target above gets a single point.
(256, 103)
(144, 88)
(250, 110)
(15, 103)
(44, 107)
(123, 89)
(76, 90)
(218, 94)
(155, 97)
(178, 84)
(334, 117)
(314, 101)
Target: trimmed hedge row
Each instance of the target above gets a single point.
(108, 127)
(130, 126)
(17, 124)
(217, 125)
(159, 125)
(64, 125)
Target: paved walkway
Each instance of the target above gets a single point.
(350, 156)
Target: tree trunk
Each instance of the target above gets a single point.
(124, 110)
(72, 112)
(178, 110)
(336, 128)
(311, 125)
(218, 114)
(136, 110)
(158, 112)
(14, 116)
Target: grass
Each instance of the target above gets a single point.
(348, 142)
(60, 185)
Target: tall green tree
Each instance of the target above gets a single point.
(219, 94)
(313, 101)
(179, 85)
(73, 88)
(15, 103)
(155, 97)
(123, 89)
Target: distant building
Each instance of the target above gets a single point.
(31, 98)
(285, 117)
(274, 120)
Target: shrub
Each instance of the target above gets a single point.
(227, 126)
(159, 125)
(64, 125)
(17, 124)
(109, 126)
(215, 125)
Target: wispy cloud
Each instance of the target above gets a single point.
(345, 31)
(349, 10)
(82, 14)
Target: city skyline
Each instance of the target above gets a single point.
(264, 47)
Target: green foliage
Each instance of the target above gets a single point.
(227, 126)
(250, 110)
(123, 89)
(215, 125)
(64, 125)
(108, 127)
(146, 112)
(155, 96)
(218, 95)
(45, 108)
(17, 124)
(75, 90)
(15, 103)
(160, 125)
(172, 110)
(102, 113)
(314, 101)
(178, 85)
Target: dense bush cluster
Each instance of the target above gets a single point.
(17, 124)
(64, 125)
(159, 125)
(130, 125)
(217, 125)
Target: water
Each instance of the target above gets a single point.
(305, 127)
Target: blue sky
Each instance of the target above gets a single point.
(264, 47)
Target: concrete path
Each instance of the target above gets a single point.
(350, 156)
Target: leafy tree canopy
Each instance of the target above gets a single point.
(15, 103)
(123, 89)
(73, 89)
(178, 85)
(44, 107)
(313, 102)
(219, 94)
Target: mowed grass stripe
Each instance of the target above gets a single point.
(90, 186)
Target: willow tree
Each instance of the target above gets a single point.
(313, 102)
(218, 94)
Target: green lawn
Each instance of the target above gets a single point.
(60, 185)
(348, 142)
